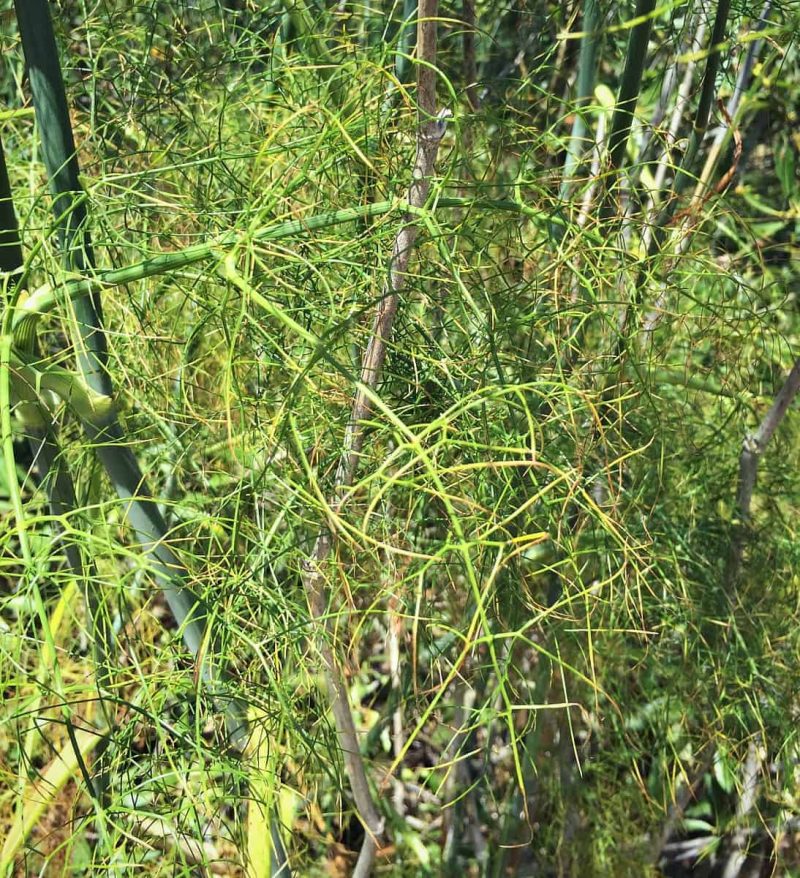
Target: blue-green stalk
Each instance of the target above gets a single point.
(686, 168)
(105, 433)
(69, 207)
(10, 245)
(43, 440)
(587, 73)
(470, 61)
(60, 159)
(628, 96)
(45, 449)
(703, 113)
(402, 57)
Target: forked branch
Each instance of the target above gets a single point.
(430, 130)
(753, 447)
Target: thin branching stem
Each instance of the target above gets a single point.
(753, 447)
(470, 63)
(628, 95)
(73, 287)
(141, 510)
(587, 74)
(685, 173)
(10, 245)
(707, 92)
(429, 135)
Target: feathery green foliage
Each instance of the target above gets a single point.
(526, 593)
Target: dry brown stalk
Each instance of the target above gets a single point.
(753, 447)
(429, 135)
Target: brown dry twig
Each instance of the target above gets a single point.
(430, 131)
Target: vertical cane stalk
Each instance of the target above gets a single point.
(69, 207)
(628, 96)
(142, 512)
(587, 72)
(429, 135)
(707, 92)
(10, 245)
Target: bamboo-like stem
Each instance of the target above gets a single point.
(696, 30)
(746, 69)
(628, 96)
(402, 61)
(73, 287)
(303, 27)
(46, 453)
(10, 245)
(682, 101)
(430, 132)
(69, 206)
(685, 173)
(733, 111)
(60, 159)
(457, 782)
(677, 810)
(751, 775)
(658, 229)
(707, 92)
(668, 87)
(587, 72)
(142, 512)
(45, 448)
(733, 107)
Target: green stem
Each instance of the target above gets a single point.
(685, 173)
(45, 448)
(587, 69)
(707, 92)
(402, 57)
(628, 93)
(46, 297)
(303, 27)
(60, 159)
(58, 148)
(10, 246)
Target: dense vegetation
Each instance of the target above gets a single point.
(400, 467)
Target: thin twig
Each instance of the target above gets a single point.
(458, 780)
(753, 447)
(732, 118)
(658, 222)
(677, 809)
(430, 132)
(665, 162)
(627, 98)
(395, 626)
(747, 803)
